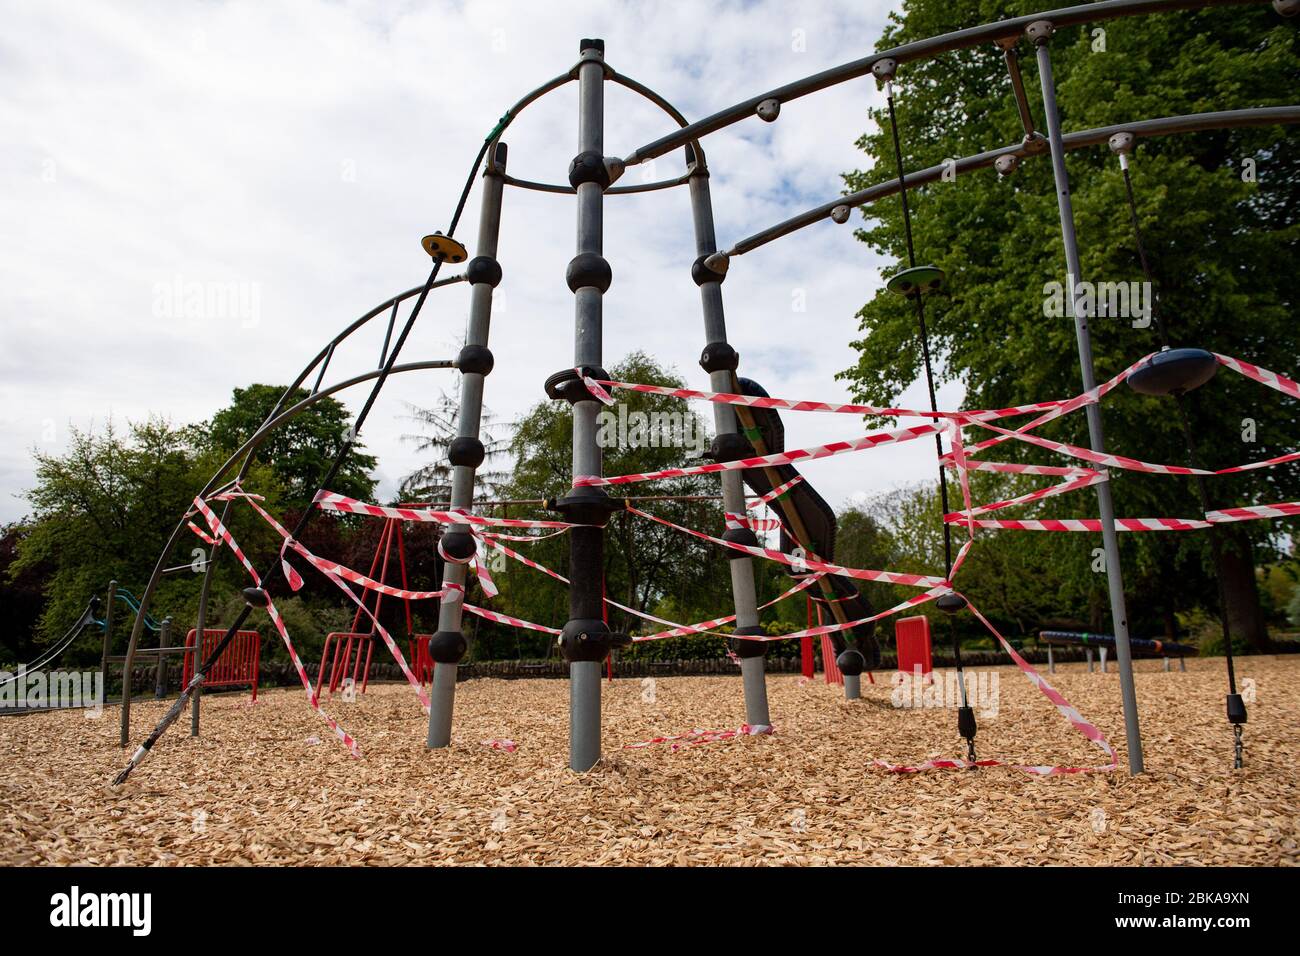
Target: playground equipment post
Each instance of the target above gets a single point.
(466, 451)
(721, 361)
(1040, 32)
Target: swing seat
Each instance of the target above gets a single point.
(1174, 371)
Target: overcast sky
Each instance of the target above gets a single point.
(295, 153)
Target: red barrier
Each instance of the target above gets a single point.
(417, 650)
(344, 658)
(807, 663)
(912, 637)
(238, 664)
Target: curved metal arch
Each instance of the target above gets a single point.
(917, 50)
(277, 416)
(694, 151)
(323, 356)
(611, 191)
(1164, 126)
(255, 440)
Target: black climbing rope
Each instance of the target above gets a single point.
(965, 715)
(1236, 707)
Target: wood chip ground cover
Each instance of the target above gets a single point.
(267, 784)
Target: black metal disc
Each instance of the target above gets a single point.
(1174, 371)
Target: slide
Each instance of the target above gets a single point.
(89, 617)
(812, 521)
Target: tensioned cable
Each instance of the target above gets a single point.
(1193, 458)
(929, 384)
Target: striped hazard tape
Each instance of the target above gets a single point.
(220, 531)
(1066, 709)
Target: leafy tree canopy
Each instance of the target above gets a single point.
(298, 451)
(1222, 246)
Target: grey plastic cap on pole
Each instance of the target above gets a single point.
(1040, 33)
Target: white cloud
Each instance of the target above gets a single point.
(298, 152)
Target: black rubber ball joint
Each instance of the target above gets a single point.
(719, 357)
(588, 167)
(458, 545)
(466, 450)
(851, 663)
(701, 273)
(589, 639)
(730, 446)
(448, 647)
(743, 536)
(475, 360)
(746, 649)
(950, 603)
(588, 270)
(483, 269)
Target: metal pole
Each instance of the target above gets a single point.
(201, 623)
(108, 637)
(585, 640)
(160, 673)
(466, 452)
(1039, 33)
(720, 360)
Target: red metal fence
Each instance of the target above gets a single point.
(238, 664)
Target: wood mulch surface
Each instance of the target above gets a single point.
(268, 784)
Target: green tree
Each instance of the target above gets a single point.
(103, 510)
(300, 450)
(439, 425)
(1223, 250)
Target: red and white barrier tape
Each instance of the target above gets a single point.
(332, 501)
(202, 535)
(756, 401)
(678, 630)
(219, 530)
(732, 521)
(1260, 374)
(675, 629)
(1100, 458)
(1288, 509)
(1066, 709)
(801, 564)
(1051, 491)
(511, 621)
(822, 629)
(873, 440)
(1017, 468)
(338, 581)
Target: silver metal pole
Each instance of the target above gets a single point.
(587, 545)
(160, 672)
(466, 452)
(720, 361)
(1040, 33)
